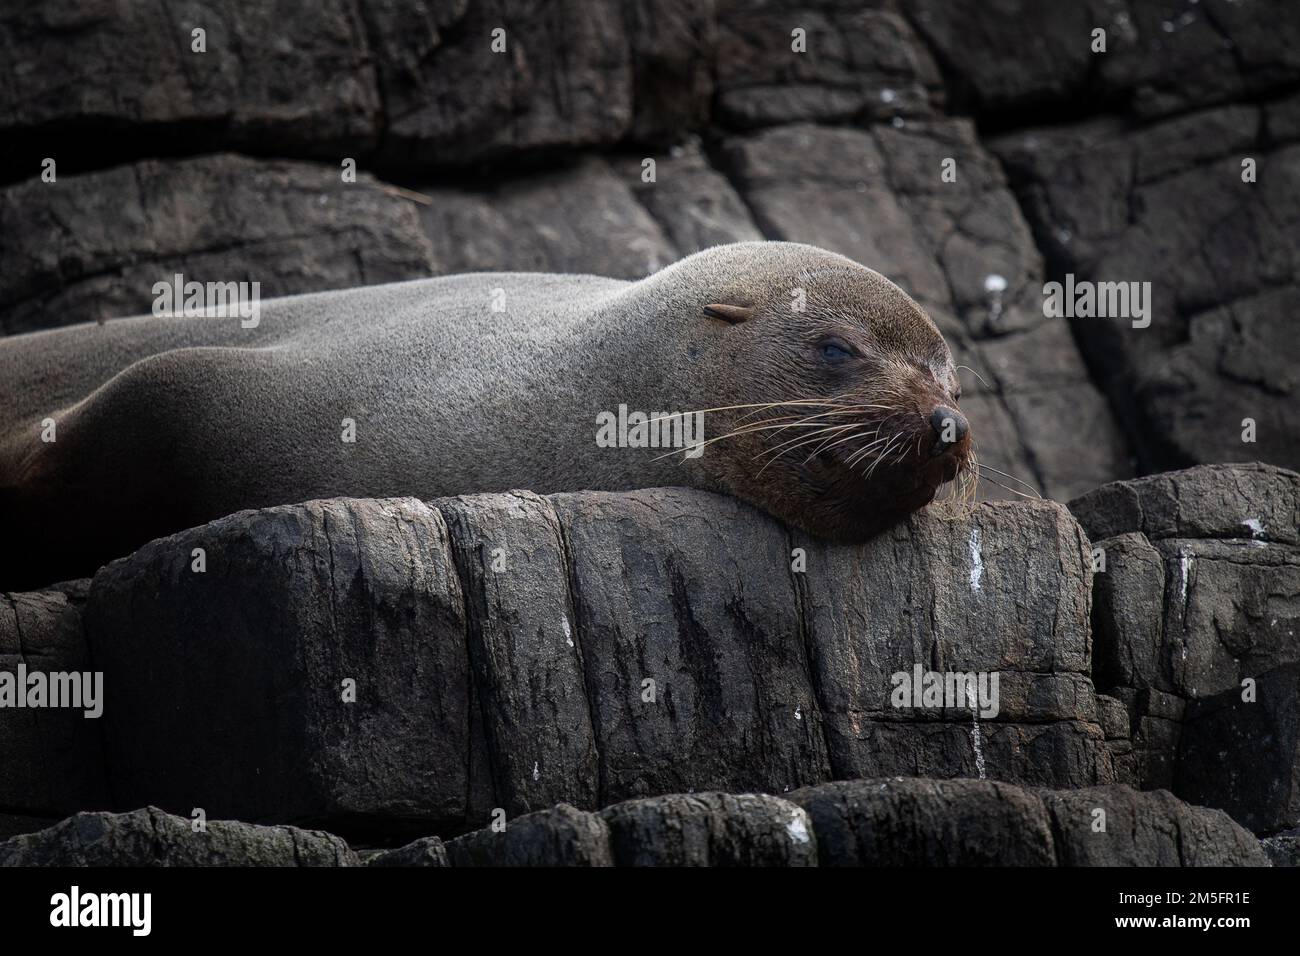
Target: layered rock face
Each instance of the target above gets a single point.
(356, 662)
(1196, 624)
(395, 667)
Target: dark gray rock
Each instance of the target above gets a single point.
(916, 822)
(612, 656)
(230, 683)
(563, 80)
(52, 758)
(1160, 57)
(563, 836)
(959, 595)
(710, 829)
(1128, 613)
(1109, 203)
(1248, 501)
(858, 64)
(672, 46)
(528, 669)
(1114, 717)
(130, 67)
(426, 851)
(580, 219)
(694, 204)
(1194, 621)
(688, 622)
(1144, 829)
(1243, 754)
(90, 247)
(150, 837)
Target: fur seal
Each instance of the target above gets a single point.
(829, 395)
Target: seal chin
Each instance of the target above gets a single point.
(851, 503)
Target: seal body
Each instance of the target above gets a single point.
(473, 383)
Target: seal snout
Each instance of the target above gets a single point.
(950, 429)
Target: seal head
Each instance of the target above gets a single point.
(852, 418)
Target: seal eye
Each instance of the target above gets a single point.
(834, 351)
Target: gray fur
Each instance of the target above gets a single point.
(172, 421)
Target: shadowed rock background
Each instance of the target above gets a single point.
(1124, 166)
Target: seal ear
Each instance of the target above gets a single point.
(735, 314)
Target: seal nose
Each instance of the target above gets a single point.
(950, 427)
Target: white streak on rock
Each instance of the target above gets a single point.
(976, 560)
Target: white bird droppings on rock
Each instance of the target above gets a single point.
(1184, 574)
(797, 829)
(568, 634)
(976, 560)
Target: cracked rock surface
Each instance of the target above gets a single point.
(399, 665)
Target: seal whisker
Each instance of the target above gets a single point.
(880, 457)
(977, 375)
(804, 439)
(746, 430)
(1007, 488)
(866, 450)
(840, 441)
(1018, 481)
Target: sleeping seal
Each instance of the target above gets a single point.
(829, 399)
